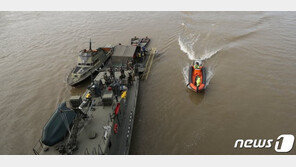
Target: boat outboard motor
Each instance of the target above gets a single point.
(75, 102)
(199, 62)
(58, 125)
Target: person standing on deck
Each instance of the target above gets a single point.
(196, 65)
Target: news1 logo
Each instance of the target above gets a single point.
(283, 144)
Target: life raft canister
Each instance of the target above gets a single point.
(115, 128)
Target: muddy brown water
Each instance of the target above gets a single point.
(250, 58)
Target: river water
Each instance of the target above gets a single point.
(250, 56)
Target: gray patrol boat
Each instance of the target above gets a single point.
(101, 120)
(88, 62)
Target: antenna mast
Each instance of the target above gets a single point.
(90, 44)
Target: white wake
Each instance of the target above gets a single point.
(187, 43)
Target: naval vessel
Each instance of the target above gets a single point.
(101, 120)
(88, 62)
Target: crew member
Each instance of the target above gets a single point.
(107, 79)
(197, 81)
(130, 79)
(122, 75)
(111, 72)
(143, 51)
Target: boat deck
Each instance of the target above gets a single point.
(96, 133)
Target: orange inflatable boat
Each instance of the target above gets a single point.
(193, 73)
